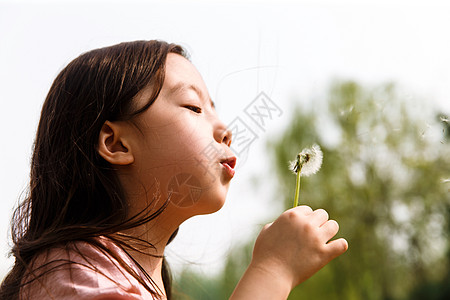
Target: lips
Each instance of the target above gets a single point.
(231, 161)
(228, 164)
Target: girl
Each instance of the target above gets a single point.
(120, 128)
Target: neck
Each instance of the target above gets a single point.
(157, 232)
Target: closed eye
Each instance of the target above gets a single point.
(194, 108)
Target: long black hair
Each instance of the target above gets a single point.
(74, 194)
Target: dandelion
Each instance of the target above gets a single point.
(307, 163)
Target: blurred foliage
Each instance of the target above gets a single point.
(191, 285)
(384, 179)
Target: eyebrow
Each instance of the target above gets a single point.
(183, 86)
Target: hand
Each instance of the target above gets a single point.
(297, 245)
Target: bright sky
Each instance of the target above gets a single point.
(282, 48)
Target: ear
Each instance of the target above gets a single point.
(113, 145)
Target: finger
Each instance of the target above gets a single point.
(329, 229)
(337, 247)
(319, 217)
(304, 209)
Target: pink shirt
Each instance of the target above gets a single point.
(94, 275)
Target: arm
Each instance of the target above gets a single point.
(289, 251)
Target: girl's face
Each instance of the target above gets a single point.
(180, 145)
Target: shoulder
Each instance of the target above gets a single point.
(83, 271)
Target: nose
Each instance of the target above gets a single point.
(223, 134)
(227, 135)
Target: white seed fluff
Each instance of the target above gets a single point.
(308, 161)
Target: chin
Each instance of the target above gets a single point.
(210, 205)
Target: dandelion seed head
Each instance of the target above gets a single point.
(308, 161)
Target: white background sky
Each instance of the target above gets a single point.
(283, 48)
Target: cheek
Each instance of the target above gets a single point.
(181, 132)
(174, 141)
(183, 155)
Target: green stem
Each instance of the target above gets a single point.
(297, 189)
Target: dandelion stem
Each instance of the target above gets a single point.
(297, 189)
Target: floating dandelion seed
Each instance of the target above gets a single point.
(307, 163)
(444, 119)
